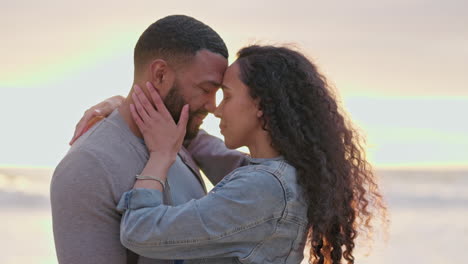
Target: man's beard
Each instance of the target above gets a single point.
(174, 103)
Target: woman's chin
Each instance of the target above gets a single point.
(229, 144)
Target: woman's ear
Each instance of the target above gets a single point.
(259, 113)
(259, 109)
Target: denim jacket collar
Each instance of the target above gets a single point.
(262, 160)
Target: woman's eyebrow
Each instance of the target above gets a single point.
(224, 87)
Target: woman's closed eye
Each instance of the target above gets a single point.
(226, 96)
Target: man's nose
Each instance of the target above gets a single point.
(210, 105)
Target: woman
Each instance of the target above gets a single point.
(307, 183)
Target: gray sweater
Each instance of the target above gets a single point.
(101, 165)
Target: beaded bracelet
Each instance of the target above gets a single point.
(141, 177)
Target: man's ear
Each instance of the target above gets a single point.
(162, 76)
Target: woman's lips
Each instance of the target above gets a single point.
(221, 127)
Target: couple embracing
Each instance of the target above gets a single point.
(130, 189)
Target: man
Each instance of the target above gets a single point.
(185, 60)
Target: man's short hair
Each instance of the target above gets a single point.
(176, 38)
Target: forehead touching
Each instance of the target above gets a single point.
(232, 83)
(231, 77)
(206, 68)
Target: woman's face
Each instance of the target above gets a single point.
(239, 113)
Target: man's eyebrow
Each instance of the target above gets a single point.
(214, 83)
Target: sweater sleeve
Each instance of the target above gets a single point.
(85, 222)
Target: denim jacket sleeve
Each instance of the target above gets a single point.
(230, 221)
(214, 158)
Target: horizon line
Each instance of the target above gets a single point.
(375, 168)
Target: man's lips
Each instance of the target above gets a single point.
(198, 118)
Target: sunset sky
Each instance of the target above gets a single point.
(400, 67)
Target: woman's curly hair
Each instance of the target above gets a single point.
(309, 130)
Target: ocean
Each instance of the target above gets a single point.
(428, 212)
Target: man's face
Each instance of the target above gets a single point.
(196, 84)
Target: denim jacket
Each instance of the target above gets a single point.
(256, 214)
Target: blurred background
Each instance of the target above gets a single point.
(400, 69)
